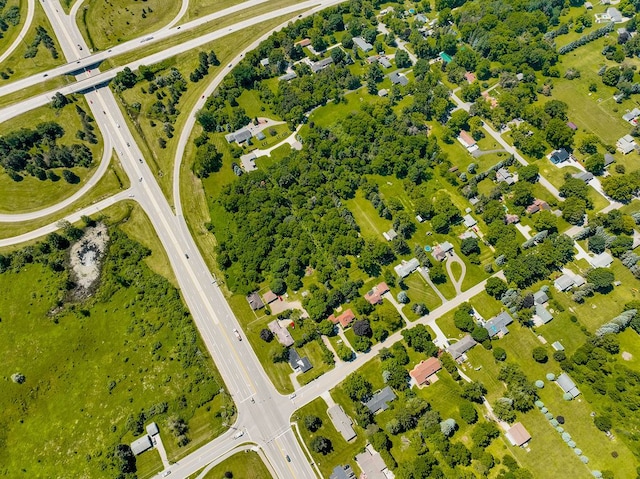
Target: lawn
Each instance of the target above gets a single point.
(17, 66)
(113, 180)
(343, 452)
(313, 351)
(11, 34)
(371, 224)
(90, 373)
(32, 194)
(200, 8)
(121, 20)
(243, 465)
(419, 292)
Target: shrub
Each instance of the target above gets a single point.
(540, 354)
(499, 354)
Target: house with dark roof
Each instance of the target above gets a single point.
(288, 76)
(559, 156)
(518, 435)
(282, 334)
(321, 64)
(341, 422)
(379, 401)
(374, 296)
(141, 445)
(540, 297)
(398, 78)
(345, 319)
(343, 472)
(608, 159)
(497, 326)
(584, 176)
(297, 363)
(541, 315)
(384, 61)
(254, 301)
(458, 349)
(567, 385)
(424, 373)
(362, 44)
(242, 135)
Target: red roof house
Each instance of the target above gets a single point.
(345, 319)
(423, 371)
(375, 295)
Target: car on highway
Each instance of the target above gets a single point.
(166, 473)
(238, 435)
(186, 255)
(140, 160)
(128, 144)
(235, 331)
(288, 458)
(79, 47)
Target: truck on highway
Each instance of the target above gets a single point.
(235, 331)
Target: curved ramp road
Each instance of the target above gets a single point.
(31, 9)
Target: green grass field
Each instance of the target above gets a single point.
(121, 21)
(86, 373)
(32, 194)
(201, 8)
(244, 465)
(11, 34)
(25, 67)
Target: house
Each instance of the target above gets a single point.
(614, 15)
(282, 334)
(362, 44)
(440, 251)
(505, 176)
(254, 301)
(540, 297)
(343, 472)
(468, 234)
(345, 319)
(608, 159)
(467, 141)
(559, 156)
(249, 161)
(518, 435)
(564, 282)
(602, 260)
(470, 77)
(398, 79)
(425, 371)
(405, 268)
(421, 18)
(288, 76)
(379, 401)
(297, 363)
(142, 444)
(321, 65)
(626, 144)
(264, 62)
(304, 43)
(260, 136)
(557, 346)
(457, 350)
(372, 59)
(372, 464)
(390, 235)
(567, 385)
(374, 296)
(631, 116)
(341, 421)
(384, 61)
(537, 205)
(584, 176)
(242, 135)
(497, 326)
(541, 315)
(383, 92)
(572, 125)
(152, 429)
(469, 222)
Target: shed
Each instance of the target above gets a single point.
(557, 346)
(518, 435)
(264, 62)
(341, 421)
(603, 260)
(142, 444)
(469, 222)
(379, 401)
(540, 297)
(457, 349)
(497, 326)
(405, 268)
(567, 385)
(424, 371)
(282, 334)
(152, 429)
(362, 44)
(572, 125)
(383, 92)
(260, 136)
(254, 301)
(445, 57)
(588, 5)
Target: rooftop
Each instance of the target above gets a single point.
(282, 334)
(456, 350)
(602, 260)
(425, 368)
(567, 385)
(374, 296)
(379, 400)
(297, 363)
(141, 444)
(398, 78)
(564, 282)
(498, 324)
(343, 472)
(362, 44)
(518, 435)
(466, 138)
(405, 268)
(345, 319)
(254, 301)
(469, 221)
(269, 297)
(540, 297)
(543, 314)
(371, 464)
(152, 429)
(341, 421)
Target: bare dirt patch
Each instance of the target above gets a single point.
(86, 257)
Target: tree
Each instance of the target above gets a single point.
(620, 245)
(59, 101)
(208, 160)
(558, 134)
(448, 426)
(403, 298)
(357, 387)
(601, 278)
(540, 354)
(620, 188)
(321, 445)
(522, 193)
(463, 320)
(545, 220)
(603, 423)
(437, 273)
(362, 328)
(338, 55)
(499, 354)
(419, 339)
(573, 210)
(266, 335)
(70, 177)
(595, 164)
(278, 286)
(495, 287)
(474, 391)
(402, 59)
(468, 412)
(125, 79)
(503, 408)
(484, 433)
(480, 334)
(529, 173)
(469, 246)
(574, 187)
(597, 244)
(312, 423)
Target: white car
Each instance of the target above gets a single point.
(235, 331)
(238, 435)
